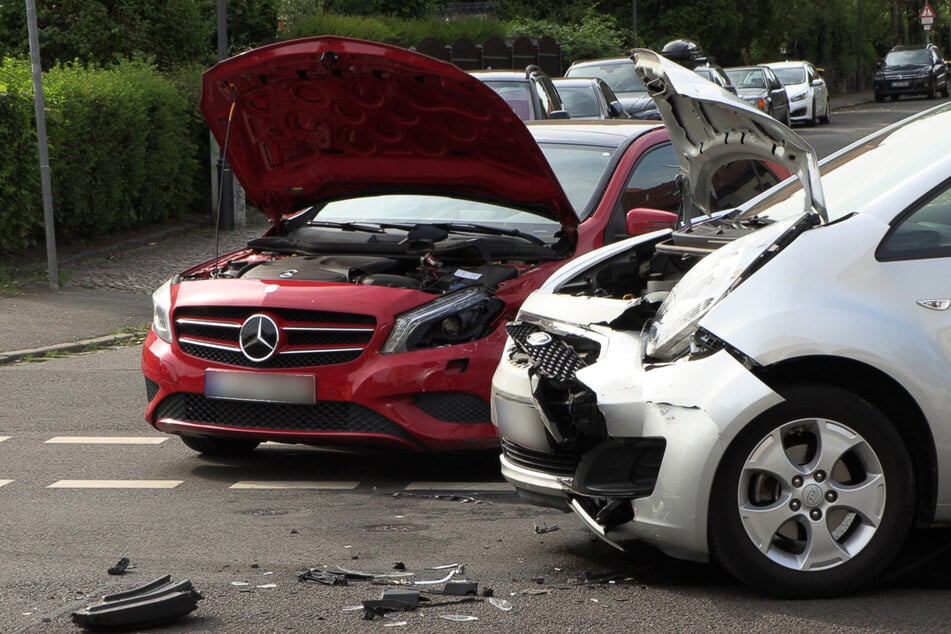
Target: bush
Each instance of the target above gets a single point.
(122, 152)
(20, 200)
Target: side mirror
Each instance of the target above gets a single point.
(559, 114)
(817, 82)
(644, 220)
(617, 110)
(731, 89)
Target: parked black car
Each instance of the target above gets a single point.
(759, 87)
(912, 70)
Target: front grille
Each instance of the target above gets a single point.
(553, 356)
(454, 407)
(559, 464)
(151, 389)
(307, 338)
(325, 416)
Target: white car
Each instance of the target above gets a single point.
(769, 389)
(808, 93)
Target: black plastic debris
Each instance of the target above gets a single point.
(399, 565)
(121, 566)
(541, 529)
(322, 576)
(391, 601)
(461, 588)
(153, 604)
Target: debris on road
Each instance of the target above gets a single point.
(451, 497)
(151, 605)
(458, 618)
(541, 529)
(322, 576)
(501, 604)
(120, 568)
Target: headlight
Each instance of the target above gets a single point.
(161, 309)
(799, 97)
(449, 320)
(702, 287)
(924, 74)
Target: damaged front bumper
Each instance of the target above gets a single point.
(644, 470)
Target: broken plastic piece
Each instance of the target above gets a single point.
(150, 605)
(541, 529)
(458, 618)
(121, 566)
(461, 587)
(501, 604)
(321, 576)
(399, 565)
(359, 574)
(391, 601)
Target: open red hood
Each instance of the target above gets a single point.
(330, 117)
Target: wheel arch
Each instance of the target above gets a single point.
(886, 394)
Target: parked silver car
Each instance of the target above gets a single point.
(769, 388)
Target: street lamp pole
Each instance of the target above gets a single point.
(634, 14)
(225, 217)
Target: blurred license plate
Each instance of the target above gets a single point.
(901, 84)
(263, 387)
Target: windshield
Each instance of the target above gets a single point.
(746, 77)
(579, 101)
(579, 169)
(915, 57)
(620, 77)
(795, 75)
(853, 179)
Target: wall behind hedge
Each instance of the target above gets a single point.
(122, 151)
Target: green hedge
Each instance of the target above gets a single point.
(122, 151)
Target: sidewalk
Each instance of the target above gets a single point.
(107, 296)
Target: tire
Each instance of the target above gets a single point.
(217, 446)
(879, 97)
(808, 519)
(814, 119)
(827, 117)
(932, 89)
(945, 91)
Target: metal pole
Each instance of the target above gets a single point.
(39, 105)
(225, 217)
(634, 14)
(858, 46)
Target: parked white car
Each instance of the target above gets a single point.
(807, 91)
(769, 389)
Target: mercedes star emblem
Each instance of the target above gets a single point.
(259, 337)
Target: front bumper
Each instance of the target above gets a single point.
(691, 409)
(903, 86)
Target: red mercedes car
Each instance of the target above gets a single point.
(411, 213)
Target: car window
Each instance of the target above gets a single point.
(579, 169)
(517, 94)
(903, 58)
(795, 75)
(924, 233)
(652, 182)
(739, 181)
(620, 77)
(579, 101)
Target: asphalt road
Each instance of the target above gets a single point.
(84, 481)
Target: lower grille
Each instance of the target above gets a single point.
(559, 464)
(151, 389)
(325, 416)
(454, 407)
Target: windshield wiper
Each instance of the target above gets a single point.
(487, 230)
(375, 227)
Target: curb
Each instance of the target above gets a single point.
(77, 346)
